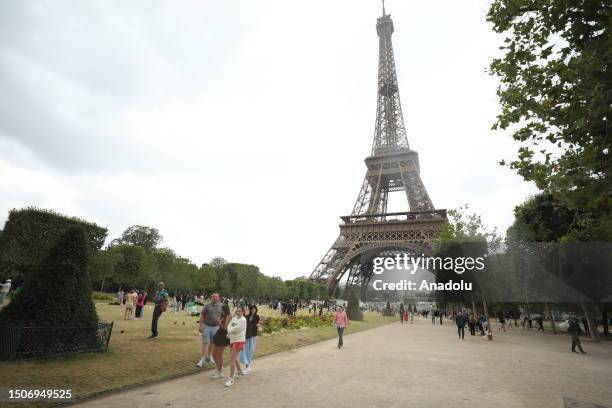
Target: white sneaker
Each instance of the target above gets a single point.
(200, 363)
(212, 360)
(216, 375)
(246, 370)
(229, 382)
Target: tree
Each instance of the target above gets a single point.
(545, 219)
(217, 262)
(146, 237)
(103, 265)
(352, 309)
(59, 287)
(136, 268)
(555, 93)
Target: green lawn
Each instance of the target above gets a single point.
(132, 359)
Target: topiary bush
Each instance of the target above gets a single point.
(58, 294)
(30, 233)
(352, 309)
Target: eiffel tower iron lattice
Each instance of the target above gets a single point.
(370, 230)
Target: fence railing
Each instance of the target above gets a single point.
(18, 343)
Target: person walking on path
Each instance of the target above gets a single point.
(540, 323)
(161, 303)
(340, 321)
(221, 341)
(401, 313)
(574, 330)
(411, 317)
(246, 356)
(472, 324)
(237, 336)
(461, 320)
(585, 323)
(120, 295)
(502, 320)
(209, 324)
(4, 290)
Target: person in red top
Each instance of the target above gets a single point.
(140, 304)
(340, 321)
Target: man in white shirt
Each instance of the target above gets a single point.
(4, 290)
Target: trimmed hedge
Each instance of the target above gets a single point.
(30, 233)
(58, 292)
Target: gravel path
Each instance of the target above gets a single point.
(419, 365)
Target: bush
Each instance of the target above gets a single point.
(104, 297)
(352, 309)
(30, 233)
(275, 324)
(58, 293)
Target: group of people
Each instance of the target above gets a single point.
(221, 329)
(464, 319)
(134, 302)
(406, 314)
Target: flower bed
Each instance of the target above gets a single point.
(275, 324)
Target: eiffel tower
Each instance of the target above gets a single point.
(370, 230)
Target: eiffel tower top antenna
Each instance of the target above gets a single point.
(383, 1)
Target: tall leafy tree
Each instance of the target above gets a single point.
(556, 95)
(138, 235)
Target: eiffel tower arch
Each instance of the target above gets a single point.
(392, 166)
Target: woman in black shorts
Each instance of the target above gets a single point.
(221, 341)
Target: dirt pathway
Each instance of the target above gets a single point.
(419, 365)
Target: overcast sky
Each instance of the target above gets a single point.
(239, 128)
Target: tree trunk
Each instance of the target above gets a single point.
(473, 306)
(102, 286)
(486, 311)
(592, 326)
(552, 318)
(604, 314)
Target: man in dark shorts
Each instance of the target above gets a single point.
(209, 324)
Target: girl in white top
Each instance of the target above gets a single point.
(236, 331)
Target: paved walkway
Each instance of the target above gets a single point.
(417, 365)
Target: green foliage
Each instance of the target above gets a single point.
(555, 95)
(464, 235)
(217, 262)
(465, 227)
(352, 309)
(58, 292)
(138, 235)
(541, 218)
(30, 233)
(275, 324)
(546, 218)
(105, 297)
(103, 264)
